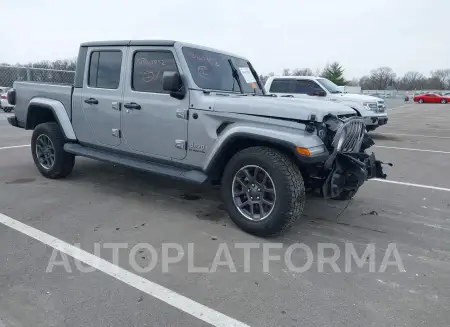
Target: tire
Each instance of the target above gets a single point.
(63, 162)
(420, 100)
(371, 128)
(345, 195)
(6, 110)
(443, 101)
(286, 179)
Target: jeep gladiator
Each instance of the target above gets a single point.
(199, 115)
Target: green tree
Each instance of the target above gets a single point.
(335, 73)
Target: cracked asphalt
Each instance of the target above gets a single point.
(101, 203)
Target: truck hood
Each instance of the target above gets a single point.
(357, 97)
(293, 108)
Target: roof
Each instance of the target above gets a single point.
(128, 42)
(162, 43)
(295, 77)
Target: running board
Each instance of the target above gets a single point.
(193, 176)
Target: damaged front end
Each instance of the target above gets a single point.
(348, 165)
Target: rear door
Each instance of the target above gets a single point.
(153, 122)
(102, 94)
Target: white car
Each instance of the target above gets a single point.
(372, 109)
(4, 104)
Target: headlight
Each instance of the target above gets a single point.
(370, 105)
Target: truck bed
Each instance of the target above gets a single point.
(26, 91)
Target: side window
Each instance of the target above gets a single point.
(282, 86)
(104, 69)
(148, 69)
(306, 86)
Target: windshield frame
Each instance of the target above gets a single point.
(331, 87)
(260, 90)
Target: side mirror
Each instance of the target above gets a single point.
(173, 83)
(318, 93)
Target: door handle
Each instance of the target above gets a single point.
(132, 105)
(91, 101)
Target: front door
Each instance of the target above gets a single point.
(153, 122)
(102, 95)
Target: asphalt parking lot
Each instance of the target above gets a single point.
(101, 203)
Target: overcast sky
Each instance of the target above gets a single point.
(273, 34)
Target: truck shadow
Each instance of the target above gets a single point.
(202, 201)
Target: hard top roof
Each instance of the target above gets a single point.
(155, 42)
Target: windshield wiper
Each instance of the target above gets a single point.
(256, 77)
(336, 92)
(235, 75)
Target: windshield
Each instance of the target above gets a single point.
(212, 70)
(329, 85)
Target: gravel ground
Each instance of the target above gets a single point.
(101, 203)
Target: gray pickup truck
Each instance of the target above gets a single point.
(199, 115)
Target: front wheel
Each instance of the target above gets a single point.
(47, 149)
(420, 100)
(443, 101)
(263, 191)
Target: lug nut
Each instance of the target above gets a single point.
(251, 198)
(257, 198)
(259, 190)
(253, 185)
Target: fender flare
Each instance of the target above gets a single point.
(60, 113)
(280, 138)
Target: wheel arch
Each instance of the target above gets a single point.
(42, 110)
(238, 142)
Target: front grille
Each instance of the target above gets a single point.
(353, 130)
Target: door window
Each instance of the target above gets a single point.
(104, 69)
(306, 86)
(148, 69)
(282, 86)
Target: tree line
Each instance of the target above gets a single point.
(382, 78)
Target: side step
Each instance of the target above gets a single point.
(192, 176)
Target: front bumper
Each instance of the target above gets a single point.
(349, 172)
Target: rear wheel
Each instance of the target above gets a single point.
(420, 100)
(263, 191)
(47, 149)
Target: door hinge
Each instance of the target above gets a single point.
(183, 113)
(181, 144)
(116, 132)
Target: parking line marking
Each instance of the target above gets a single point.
(412, 184)
(410, 149)
(417, 135)
(14, 146)
(166, 295)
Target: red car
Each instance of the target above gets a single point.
(431, 98)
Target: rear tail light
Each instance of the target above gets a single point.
(4, 96)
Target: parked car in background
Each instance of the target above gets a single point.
(4, 104)
(431, 98)
(372, 109)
